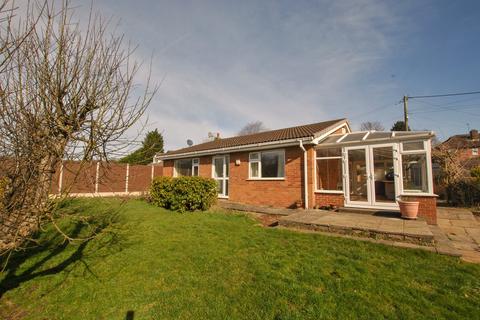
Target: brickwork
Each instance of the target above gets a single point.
(427, 208)
(285, 193)
(329, 199)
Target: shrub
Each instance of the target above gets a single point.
(464, 193)
(475, 173)
(184, 193)
(161, 192)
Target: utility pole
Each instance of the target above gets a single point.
(405, 112)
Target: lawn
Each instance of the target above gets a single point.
(156, 264)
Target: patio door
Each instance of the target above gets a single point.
(371, 176)
(220, 173)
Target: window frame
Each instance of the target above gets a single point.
(474, 151)
(259, 161)
(428, 174)
(342, 160)
(195, 164)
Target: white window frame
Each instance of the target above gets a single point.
(429, 174)
(195, 164)
(341, 157)
(259, 161)
(474, 151)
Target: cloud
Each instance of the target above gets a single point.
(223, 64)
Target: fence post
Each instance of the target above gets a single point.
(60, 178)
(97, 174)
(153, 172)
(126, 178)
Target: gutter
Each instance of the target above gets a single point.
(305, 172)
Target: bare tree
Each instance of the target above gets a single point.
(67, 92)
(252, 127)
(372, 125)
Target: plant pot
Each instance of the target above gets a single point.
(409, 209)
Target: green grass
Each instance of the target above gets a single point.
(164, 265)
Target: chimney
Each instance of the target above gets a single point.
(474, 134)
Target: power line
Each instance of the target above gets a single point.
(444, 95)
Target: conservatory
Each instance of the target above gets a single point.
(376, 169)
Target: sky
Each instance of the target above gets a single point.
(222, 64)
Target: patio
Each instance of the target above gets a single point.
(363, 225)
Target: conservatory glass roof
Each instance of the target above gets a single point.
(367, 137)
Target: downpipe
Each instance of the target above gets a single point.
(305, 173)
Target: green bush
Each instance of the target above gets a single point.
(161, 191)
(183, 193)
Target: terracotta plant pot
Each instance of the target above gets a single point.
(409, 209)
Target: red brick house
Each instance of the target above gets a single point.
(343, 168)
(467, 145)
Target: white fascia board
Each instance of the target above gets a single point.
(332, 129)
(248, 147)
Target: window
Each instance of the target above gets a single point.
(267, 164)
(187, 167)
(414, 167)
(474, 151)
(329, 169)
(412, 146)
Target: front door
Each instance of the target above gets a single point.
(220, 174)
(371, 176)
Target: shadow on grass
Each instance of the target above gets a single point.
(51, 244)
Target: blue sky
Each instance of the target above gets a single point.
(226, 63)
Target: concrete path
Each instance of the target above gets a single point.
(377, 227)
(458, 231)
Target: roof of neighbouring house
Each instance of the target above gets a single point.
(461, 141)
(298, 132)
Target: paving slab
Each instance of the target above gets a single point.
(458, 231)
(361, 225)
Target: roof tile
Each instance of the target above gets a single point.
(303, 131)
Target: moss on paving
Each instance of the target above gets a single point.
(214, 265)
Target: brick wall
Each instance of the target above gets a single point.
(427, 208)
(329, 199)
(286, 193)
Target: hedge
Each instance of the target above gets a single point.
(183, 193)
(464, 193)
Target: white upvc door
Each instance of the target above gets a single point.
(384, 175)
(357, 162)
(371, 176)
(220, 172)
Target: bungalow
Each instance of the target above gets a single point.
(315, 165)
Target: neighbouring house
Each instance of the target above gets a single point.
(466, 144)
(315, 165)
(463, 150)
